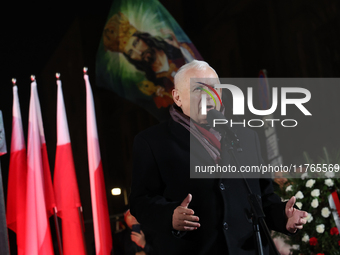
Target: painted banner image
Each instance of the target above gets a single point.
(141, 49)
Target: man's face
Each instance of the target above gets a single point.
(190, 94)
(138, 50)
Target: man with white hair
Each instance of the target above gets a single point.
(200, 216)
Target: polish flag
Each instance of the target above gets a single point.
(101, 220)
(65, 185)
(39, 197)
(16, 191)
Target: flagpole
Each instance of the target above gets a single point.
(80, 212)
(57, 229)
(4, 247)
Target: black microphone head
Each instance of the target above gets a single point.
(211, 116)
(222, 126)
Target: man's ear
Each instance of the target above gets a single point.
(176, 97)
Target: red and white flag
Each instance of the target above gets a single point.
(16, 189)
(40, 196)
(65, 185)
(100, 212)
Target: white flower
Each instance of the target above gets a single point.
(299, 204)
(310, 183)
(329, 174)
(315, 203)
(299, 195)
(325, 212)
(315, 193)
(305, 238)
(329, 182)
(289, 188)
(320, 228)
(304, 176)
(296, 247)
(309, 218)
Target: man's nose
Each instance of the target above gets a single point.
(210, 100)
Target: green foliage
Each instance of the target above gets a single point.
(327, 243)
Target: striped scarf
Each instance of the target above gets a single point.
(207, 136)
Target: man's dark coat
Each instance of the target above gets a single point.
(161, 180)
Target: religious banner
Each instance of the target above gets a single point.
(141, 49)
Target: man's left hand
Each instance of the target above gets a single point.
(296, 218)
(138, 238)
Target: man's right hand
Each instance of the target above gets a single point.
(183, 218)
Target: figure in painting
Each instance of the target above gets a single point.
(157, 57)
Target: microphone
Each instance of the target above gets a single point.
(223, 129)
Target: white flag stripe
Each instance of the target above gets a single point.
(18, 141)
(92, 135)
(38, 112)
(63, 135)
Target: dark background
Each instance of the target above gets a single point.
(291, 38)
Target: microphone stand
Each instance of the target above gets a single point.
(253, 199)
